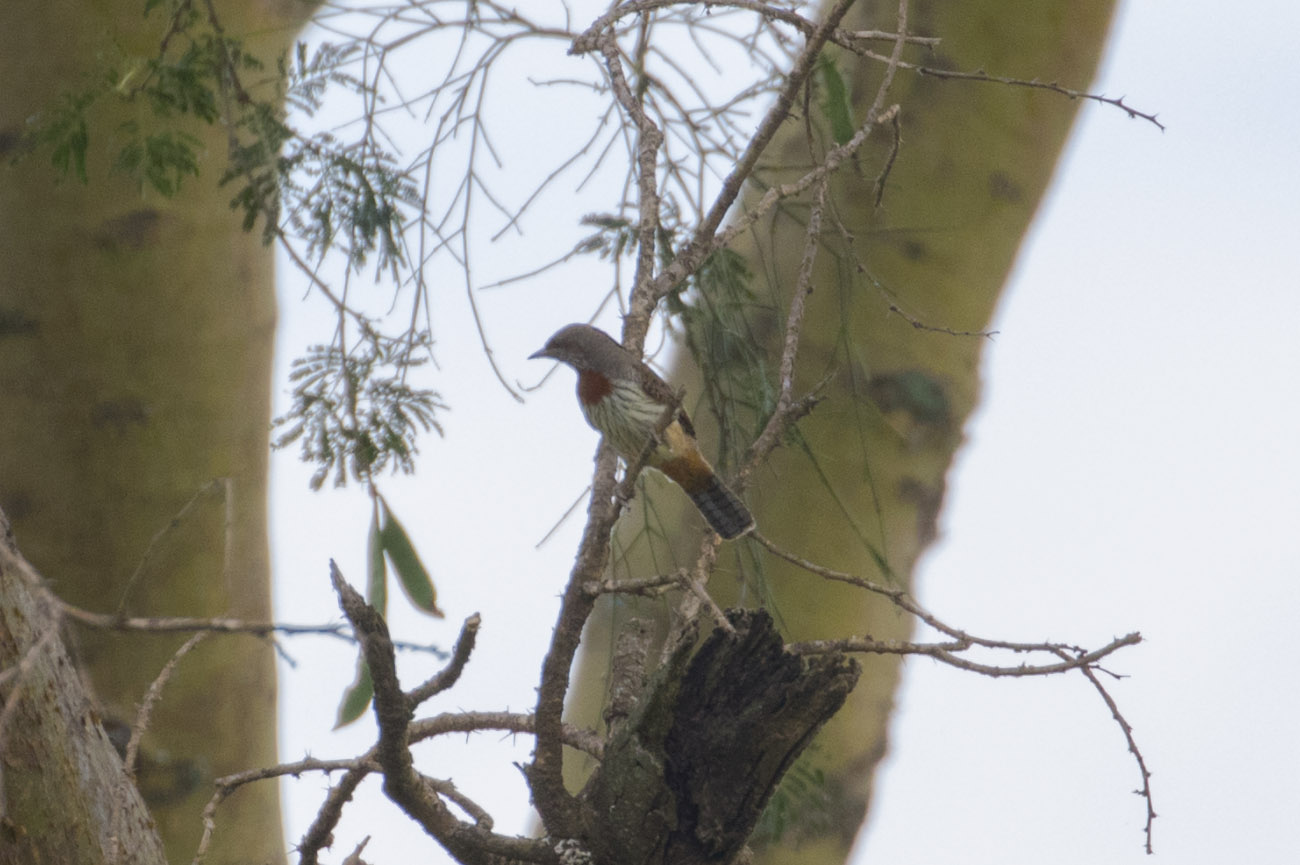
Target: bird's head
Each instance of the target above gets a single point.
(581, 346)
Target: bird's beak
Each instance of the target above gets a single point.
(541, 352)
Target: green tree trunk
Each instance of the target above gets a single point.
(135, 355)
(974, 163)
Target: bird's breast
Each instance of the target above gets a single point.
(592, 387)
(627, 417)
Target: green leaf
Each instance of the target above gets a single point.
(357, 697)
(376, 573)
(68, 133)
(354, 412)
(410, 571)
(836, 100)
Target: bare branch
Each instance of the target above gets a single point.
(448, 676)
(556, 806)
(787, 411)
(320, 833)
(220, 625)
(649, 139)
(228, 784)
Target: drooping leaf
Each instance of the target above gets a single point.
(835, 101)
(406, 562)
(357, 697)
(376, 571)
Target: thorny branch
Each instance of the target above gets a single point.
(1072, 657)
(421, 798)
(1145, 790)
(1052, 86)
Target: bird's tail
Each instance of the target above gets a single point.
(725, 513)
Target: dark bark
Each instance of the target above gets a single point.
(687, 778)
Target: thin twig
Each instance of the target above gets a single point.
(947, 653)
(221, 625)
(161, 534)
(568, 512)
(785, 414)
(788, 410)
(901, 598)
(895, 144)
(1145, 790)
(649, 140)
(321, 831)
(228, 784)
(980, 75)
(644, 586)
(1072, 657)
(705, 239)
(697, 595)
(151, 698)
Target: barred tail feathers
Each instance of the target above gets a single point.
(725, 513)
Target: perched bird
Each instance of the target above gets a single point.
(624, 399)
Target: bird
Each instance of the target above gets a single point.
(626, 401)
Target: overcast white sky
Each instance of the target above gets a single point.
(1159, 290)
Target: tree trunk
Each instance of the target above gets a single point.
(135, 356)
(66, 796)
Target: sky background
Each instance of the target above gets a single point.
(1133, 466)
